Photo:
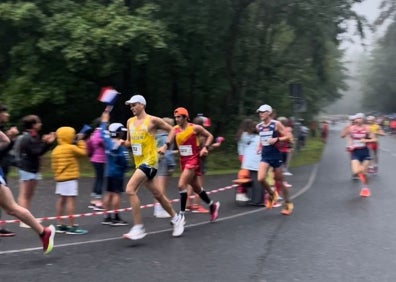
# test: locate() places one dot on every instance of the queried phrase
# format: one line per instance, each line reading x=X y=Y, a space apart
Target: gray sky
x=350 y=103
x=369 y=8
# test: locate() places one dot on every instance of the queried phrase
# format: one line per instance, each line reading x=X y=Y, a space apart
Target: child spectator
x=65 y=166
x=28 y=149
x=117 y=163
x=97 y=157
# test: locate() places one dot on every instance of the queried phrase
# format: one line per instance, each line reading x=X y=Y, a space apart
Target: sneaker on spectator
x=214 y=211
x=178 y=225
x=107 y=220
x=76 y=230
x=61 y=228
x=241 y=197
x=6 y=233
x=47 y=238
x=118 y=221
x=137 y=232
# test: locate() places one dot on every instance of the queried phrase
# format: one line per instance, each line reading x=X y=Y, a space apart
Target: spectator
x=64 y=164
x=97 y=157
x=28 y=149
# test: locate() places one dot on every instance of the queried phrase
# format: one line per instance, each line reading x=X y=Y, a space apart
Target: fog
x=356 y=50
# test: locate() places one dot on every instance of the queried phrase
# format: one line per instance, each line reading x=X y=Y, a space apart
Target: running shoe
x=61 y=228
x=159 y=212
x=365 y=192
x=214 y=211
x=23 y=225
x=76 y=230
x=6 y=233
x=107 y=221
x=137 y=232
x=118 y=221
x=96 y=206
x=287 y=208
x=287 y=173
x=199 y=209
x=178 y=225
x=287 y=184
x=241 y=197
x=271 y=200
x=47 y=238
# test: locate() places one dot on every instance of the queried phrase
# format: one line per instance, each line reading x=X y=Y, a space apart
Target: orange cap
x=181 y=111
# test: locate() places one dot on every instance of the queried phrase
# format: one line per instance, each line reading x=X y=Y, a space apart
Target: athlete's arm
x=169 y=140
x=127 y=142
x=344 y=131
x=285 y=134
x=201 y=131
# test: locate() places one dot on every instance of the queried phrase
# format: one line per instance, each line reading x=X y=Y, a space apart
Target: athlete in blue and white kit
x=271 y=132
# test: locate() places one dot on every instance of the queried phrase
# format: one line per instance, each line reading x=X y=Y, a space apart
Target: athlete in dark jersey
x=271 y=132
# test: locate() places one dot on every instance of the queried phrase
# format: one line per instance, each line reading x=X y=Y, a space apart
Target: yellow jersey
x=143 y=143
x=373 y=128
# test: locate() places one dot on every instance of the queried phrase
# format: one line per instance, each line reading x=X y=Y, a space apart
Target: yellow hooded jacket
x=64 y=157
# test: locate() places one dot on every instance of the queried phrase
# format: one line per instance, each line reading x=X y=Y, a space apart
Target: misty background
x=357 y=50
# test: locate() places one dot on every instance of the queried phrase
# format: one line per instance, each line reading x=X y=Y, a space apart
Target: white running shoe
x=287 y=185
x=161 y=214
x=287 y=173
x=178 y=225
x=241 y=197
x=137 y=232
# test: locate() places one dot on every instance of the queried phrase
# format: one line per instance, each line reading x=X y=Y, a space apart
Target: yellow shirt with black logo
x=143 y=143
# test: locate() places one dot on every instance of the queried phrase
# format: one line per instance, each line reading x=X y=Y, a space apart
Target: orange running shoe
x=287 y=208
x=271 y=200
x=199 y=209
x=365 y=192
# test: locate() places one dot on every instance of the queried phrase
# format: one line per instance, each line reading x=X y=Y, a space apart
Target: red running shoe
x=365 y=192
x=214 y=211
x=48 y=239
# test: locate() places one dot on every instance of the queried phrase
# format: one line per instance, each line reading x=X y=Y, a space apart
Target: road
x=333 y=235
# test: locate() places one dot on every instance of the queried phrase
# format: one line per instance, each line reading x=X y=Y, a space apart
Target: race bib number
x=185 y=150
x=137 y=149
x=265 y=137
x=358 y=144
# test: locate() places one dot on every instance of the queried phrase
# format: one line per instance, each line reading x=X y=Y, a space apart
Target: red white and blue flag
x=108 y=95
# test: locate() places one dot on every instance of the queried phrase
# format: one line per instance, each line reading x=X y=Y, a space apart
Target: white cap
x=370 y=118
x=136 y=99
x=264 y=108
x=359 y=115
x=115 y=128
x=352 y=117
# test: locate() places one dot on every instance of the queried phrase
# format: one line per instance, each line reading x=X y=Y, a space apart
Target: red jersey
x=357 y=133
x=188 y=144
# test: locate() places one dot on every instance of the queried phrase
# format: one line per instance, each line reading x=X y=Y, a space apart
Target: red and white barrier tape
x=112 y=211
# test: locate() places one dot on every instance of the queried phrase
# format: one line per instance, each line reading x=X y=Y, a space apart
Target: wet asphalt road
x=333 y=235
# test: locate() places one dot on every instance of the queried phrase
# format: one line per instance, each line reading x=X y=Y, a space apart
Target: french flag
x=108 y=95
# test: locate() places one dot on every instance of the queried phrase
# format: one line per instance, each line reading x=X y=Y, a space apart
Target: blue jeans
x=97 y=189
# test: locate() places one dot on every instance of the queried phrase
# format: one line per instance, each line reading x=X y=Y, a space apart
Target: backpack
x=15 y=153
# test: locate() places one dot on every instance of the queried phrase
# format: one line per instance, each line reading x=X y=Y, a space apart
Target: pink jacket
x=96 y=148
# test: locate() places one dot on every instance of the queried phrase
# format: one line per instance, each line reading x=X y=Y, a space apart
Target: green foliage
x=379 y=87
x=222 y=58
